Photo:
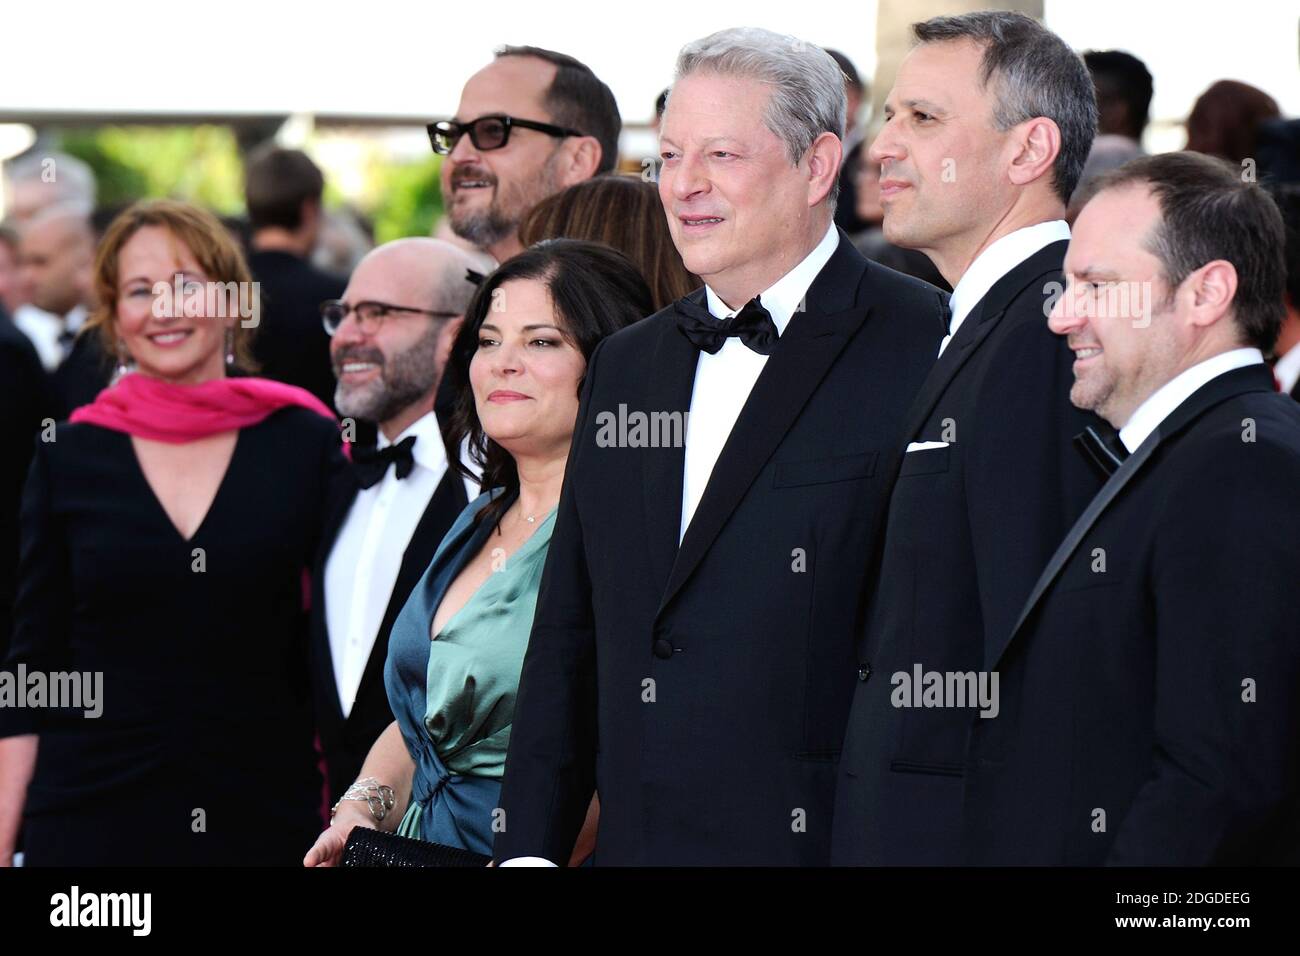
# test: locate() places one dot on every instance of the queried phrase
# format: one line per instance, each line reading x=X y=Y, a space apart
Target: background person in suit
x=56 y=257
x=1151 y=686
x=282 y=189
x=693 y=647
x=392 y=334
x=988 y=126
x=452 y=672
x=28 y=398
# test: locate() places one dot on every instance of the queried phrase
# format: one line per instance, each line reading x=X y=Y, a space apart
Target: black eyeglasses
x=370 y=315
x=487 y=132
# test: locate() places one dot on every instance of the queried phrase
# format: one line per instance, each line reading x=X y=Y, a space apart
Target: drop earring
x=123 y=361
x=230 y=348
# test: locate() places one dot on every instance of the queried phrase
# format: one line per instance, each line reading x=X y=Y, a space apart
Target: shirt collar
x=999 y=259
x=428 y=450
x=782 y=299
x=1165 y=400
x=1287 y=369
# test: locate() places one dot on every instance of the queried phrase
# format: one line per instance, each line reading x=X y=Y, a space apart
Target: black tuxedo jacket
x=28 y=398
x=346 y=741
x=81 y=376
x=702 y=689
x=970 y=526
x=1150 y=692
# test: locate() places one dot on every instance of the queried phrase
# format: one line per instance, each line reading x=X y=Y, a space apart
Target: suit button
x=864 y=671
x=663 y=649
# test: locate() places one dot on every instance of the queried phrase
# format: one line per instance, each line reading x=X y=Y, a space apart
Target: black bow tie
x=753 y=325
x=1102 y=447
x=370 y=463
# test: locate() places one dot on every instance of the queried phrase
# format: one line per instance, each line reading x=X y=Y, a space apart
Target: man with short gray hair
x=693 y=646
x=987 y=129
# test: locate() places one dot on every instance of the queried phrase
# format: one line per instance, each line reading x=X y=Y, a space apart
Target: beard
x=511 y=202
x=403 y=380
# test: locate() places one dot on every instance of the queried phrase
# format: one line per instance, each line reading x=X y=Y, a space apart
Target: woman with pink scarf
x=159 y=645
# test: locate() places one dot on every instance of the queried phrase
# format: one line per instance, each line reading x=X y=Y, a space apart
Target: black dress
x=204 y=750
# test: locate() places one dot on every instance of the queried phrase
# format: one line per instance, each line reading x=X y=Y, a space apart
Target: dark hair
x=1037 y=74
x=1225 y=120
x=851 y=77
x=623 y=212
x=1287 y=197
x=9 y=236
x=276 y=184
x=1208 y=212
x=596 y=291
x=579 y=100
x=661 y=102
x=1121 y=79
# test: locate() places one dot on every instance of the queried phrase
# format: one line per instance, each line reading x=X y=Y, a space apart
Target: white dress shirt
x=1287 y=369
x=1164 y=400
x=367 y=555
x=724 y=379
x=995 y=262
x=44 y=329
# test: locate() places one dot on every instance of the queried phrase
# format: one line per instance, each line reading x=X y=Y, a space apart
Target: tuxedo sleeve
x=45 y=594
x=1025 y=483
x=551 y=762
x=1224 y=771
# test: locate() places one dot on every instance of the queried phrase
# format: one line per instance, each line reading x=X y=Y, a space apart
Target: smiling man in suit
x=1151 y=686
x=692 y=656
x=392 y=334
x=987 y=128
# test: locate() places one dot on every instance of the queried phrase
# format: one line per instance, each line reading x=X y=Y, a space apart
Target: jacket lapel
x=1214 y=392
x=674 y=361
x=341 y=499
x=448 y=501
x=975 y=328
x=811 y=343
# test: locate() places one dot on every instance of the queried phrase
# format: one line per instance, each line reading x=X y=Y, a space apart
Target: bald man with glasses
x=390 y=337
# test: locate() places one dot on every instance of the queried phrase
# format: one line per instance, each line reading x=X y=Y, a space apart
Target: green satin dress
x=454 y=696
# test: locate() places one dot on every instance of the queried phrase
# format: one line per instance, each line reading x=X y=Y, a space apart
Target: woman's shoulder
x=68 y=439
x=300 y=425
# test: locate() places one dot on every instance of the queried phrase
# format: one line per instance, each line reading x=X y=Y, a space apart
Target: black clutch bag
x=367 y=847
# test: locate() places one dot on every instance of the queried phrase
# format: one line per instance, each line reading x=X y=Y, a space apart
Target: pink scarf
x=149 y=408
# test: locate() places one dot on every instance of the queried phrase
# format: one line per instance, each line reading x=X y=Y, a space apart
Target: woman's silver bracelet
x=375 y=795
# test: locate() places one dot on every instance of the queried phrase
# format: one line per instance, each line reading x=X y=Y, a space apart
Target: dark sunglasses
x=487 y=132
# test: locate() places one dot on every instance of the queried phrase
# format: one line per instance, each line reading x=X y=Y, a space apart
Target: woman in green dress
x=457 y=647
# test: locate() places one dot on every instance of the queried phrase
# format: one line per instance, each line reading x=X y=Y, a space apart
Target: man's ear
x=823 y=158
x=1038 y=143
x=583 y=160
x=1213 y=288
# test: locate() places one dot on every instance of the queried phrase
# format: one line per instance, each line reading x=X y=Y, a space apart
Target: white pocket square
x=923 y=445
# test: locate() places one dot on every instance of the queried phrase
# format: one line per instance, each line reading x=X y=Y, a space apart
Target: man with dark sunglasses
x=529 y=124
